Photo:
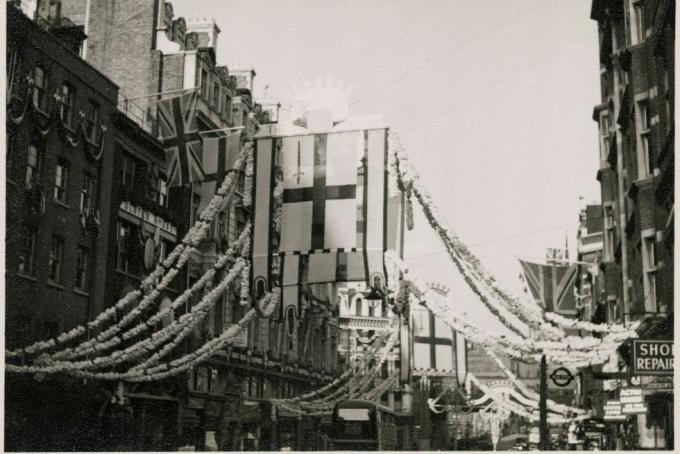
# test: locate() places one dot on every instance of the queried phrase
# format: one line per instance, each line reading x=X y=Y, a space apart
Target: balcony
x=137 y=114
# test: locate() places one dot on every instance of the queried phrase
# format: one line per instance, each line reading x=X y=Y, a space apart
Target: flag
x=335 y=210
x=550 y=285
x=219 y=155
x=320 y=191
x=180 y=138
x=556 y=256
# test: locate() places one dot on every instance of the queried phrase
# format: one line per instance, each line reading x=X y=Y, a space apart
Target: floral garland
x=568 y=323
x=180 y=254
x=517 y=408
x=531 y=394
x=344 y=376
x=176 y=366
x=527 y=311
x=572 y=350
x=191 y=319
x=248 y=185
x=469 y=266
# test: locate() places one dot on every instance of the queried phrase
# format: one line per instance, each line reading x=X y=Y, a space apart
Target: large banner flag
x=180 y=138
x=219 y=155
x=552 y=285
x=334 y=209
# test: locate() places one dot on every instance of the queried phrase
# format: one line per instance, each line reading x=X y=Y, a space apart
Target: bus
x=362 y=425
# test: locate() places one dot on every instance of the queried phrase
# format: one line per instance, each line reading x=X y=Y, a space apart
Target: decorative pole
x=543 y=408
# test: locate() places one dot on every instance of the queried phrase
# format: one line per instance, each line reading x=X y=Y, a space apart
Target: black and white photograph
x=299 y=225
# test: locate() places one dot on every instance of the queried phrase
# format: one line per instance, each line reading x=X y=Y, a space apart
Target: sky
x=491 y=99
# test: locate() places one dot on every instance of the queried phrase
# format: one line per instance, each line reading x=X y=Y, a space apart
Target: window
x=359 y=306
x=60 y=181
x=163 y=192
x=645 y=162
x=226 y=107
x=195 y=206
x=638 y=34
x=221 y=234
x=605 y=127
x=27 y=251
x=87 y=193
x=241 y=185
x=165 y=248
x=81 y=268
x=244 y=118
x=40 y=82
x=609 y=233
x=216 y=96
x=68 y=102
x=204 y=84
x=667 y=100
x=649 y=271
x=92 y=120
x=33 y=166
x=129 y=169
x=55 y=259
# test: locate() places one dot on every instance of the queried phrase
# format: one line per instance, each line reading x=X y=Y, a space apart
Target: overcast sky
x=492 y=99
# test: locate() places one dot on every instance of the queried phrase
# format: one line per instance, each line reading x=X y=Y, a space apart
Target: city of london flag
x=335 y=215
x=180 y=138
x=551 y=285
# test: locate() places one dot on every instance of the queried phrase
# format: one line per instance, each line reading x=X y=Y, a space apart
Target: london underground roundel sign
x=561 y=376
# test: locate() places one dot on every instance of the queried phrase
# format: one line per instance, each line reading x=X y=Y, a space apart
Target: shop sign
x=657 y=384
x=612 y=411
x=652 y=357
x=632 y=401
x=241 y=339
x=149 y=217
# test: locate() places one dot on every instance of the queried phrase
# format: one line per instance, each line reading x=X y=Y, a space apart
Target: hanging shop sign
x=612 y=411
x=652 y=357
x=632 y=401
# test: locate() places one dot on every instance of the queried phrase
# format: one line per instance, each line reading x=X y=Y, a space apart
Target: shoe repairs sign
x=652 y=357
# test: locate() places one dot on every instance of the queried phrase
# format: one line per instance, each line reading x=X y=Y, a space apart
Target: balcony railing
x=137 y=114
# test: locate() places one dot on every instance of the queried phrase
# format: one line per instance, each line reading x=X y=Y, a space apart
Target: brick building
x=635 y=117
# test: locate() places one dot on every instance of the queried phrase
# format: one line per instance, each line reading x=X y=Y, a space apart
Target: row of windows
x=60 y=189
x=214 y=94
x=67 y=93
x=133 y=170
x=55 y=262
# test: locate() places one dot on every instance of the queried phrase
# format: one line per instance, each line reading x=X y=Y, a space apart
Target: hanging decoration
x=168 y=270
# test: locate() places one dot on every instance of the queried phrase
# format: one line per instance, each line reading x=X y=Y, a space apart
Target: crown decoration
x=439 y=288
x=329 y=94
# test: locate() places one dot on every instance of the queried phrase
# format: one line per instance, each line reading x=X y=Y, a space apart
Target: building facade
x=635 y=119
x=61 y=137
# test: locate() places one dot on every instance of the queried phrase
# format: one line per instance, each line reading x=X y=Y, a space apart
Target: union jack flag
x=182 y=143
x=551 y=285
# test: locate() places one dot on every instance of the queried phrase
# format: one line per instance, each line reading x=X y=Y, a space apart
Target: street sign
x=612 y=411
x=561 y=377
x=652 y=357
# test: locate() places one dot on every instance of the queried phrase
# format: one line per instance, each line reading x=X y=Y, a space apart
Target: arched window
x=359 y=306
x=260 y=287
x=290 y=320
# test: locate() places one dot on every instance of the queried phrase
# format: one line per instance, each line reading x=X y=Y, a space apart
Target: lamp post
x=543 y=444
